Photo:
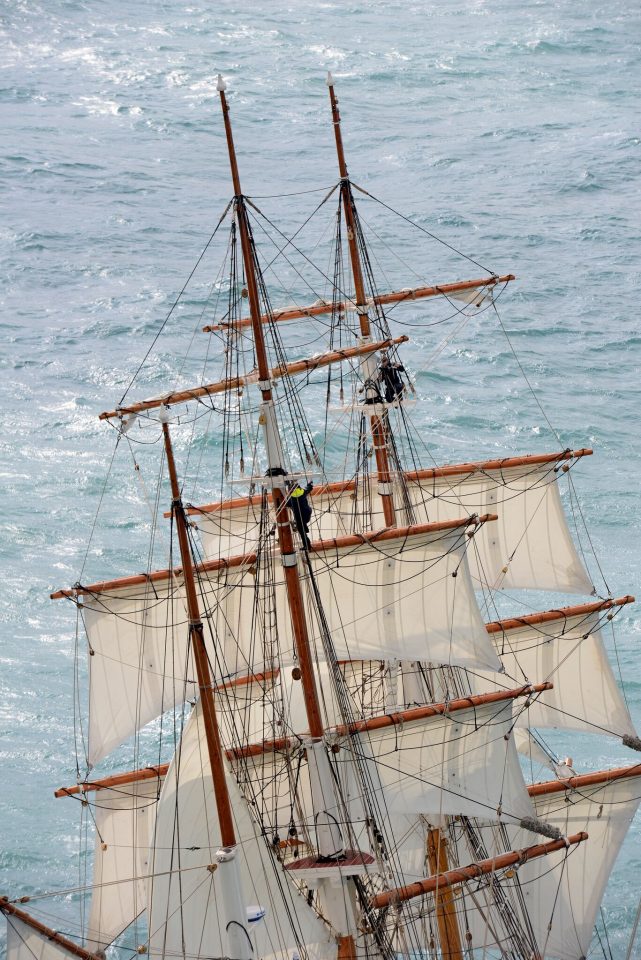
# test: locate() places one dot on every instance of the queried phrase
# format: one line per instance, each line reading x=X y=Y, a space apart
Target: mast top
x=330 y=79
x=220 y=83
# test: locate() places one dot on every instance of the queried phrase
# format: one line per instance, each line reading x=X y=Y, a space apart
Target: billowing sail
x=560 y=893
x=409 y=597
x=530 y=749
x=139 y=664
x=462 y=764
x=569 y=652
x=124 y=820
x=26 y=943
x=405 y=598
x=184 y=895
x=530 y=545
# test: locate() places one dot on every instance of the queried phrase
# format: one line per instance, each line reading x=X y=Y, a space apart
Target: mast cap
x=220 y=83
x=330 y=79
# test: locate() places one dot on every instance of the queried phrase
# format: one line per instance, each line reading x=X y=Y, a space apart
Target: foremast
x=234 y=905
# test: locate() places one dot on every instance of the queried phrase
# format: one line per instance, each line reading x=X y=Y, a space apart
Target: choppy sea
x=511 y=131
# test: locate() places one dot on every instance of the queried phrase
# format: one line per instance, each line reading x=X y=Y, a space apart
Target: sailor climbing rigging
x=301 y=509
x=391 y=380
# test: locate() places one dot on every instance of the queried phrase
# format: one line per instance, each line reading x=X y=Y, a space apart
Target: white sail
x=25 y=943
x=407 y=598
x=530 y=546
x=138 y=663
x=561 y=892
x=569 y=652
x=184 y=896
x=531 y=537
x=396 y=598
x=124 y=819
x=530 y=749
x=605 y=813
x=462 y=764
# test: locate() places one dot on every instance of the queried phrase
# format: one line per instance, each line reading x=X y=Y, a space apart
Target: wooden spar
x=431 y=473
x=534 y=789
x=448 y=930
x=471 y=872
x=201 y=661
x=115 y=780
x=348 y=207
x=248 y=750
x=232 y=383
x=47 y=932
x=548 y=616
x=283 y=522
x=383 y=720
x=583 y=780
x=247 y=679
x=285 y=743
x=394 y=296
x=377 y=426
x=346 y=948
x=247 y=559
x=529 y=460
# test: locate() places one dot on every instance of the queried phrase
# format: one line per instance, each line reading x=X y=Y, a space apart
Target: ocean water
x=510 y=131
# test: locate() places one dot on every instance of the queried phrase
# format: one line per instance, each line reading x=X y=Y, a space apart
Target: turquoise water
x=511 y=132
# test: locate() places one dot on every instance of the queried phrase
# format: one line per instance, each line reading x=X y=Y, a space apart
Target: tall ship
x=332 y=727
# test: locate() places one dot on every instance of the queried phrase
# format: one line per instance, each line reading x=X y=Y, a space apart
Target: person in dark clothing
x=391 y=380
x=301 y=509
x=371 y=390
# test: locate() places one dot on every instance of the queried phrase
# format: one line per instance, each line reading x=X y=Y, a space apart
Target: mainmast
x=369 y=364
x=329 y=835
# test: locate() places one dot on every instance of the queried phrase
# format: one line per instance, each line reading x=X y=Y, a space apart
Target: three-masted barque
x=350 y=725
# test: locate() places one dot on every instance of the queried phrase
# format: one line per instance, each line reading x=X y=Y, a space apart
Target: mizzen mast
x=362 y=308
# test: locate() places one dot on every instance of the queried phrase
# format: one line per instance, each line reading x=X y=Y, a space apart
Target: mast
x=236 y=914
x=369 y=369
x=446 y=919
x=329 y=835
x=437 y=853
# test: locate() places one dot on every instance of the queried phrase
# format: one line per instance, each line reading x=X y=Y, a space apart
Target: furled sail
x=409 y=597
x=124 y=820
x=184 y=895
x=569 y=652
x=530 y=546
